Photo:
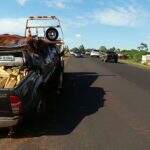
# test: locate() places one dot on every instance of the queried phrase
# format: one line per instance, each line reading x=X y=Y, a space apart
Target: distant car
x=72 y=53
x=109 y=56
x=78 y=55
x=87 y=53
x=94 y=53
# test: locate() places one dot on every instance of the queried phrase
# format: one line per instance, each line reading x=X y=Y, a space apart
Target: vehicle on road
x=109 y=56
x=72 y=53
x=26 y=69
x=87 y=53
x=78 y=55
x=94 y=53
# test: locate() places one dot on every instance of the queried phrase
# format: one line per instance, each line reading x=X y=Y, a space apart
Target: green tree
x=88 y=50
x=143 y=47
x=75 y=50
x=66 y=49
x=134 y=55
x=82 y=49
x=118 y=50
x=112 y=49
x=103 y=49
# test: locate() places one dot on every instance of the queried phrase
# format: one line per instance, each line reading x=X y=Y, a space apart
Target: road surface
x=103 y=107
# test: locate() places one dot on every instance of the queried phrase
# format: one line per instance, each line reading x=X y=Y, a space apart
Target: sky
x=120 y=23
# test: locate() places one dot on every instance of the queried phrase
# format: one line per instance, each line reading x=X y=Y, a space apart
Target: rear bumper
x=8 y=121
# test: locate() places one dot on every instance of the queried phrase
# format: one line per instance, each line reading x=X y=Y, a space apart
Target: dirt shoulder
x=142 y=66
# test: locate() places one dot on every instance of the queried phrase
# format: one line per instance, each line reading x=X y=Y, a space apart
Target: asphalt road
x=103 y=107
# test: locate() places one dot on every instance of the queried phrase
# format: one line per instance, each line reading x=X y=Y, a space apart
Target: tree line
x=132 y=54
x=82 y=49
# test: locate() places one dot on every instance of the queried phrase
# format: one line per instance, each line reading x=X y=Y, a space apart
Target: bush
x=135 y=55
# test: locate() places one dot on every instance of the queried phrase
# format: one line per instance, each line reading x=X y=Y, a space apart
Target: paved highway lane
x=104 y=106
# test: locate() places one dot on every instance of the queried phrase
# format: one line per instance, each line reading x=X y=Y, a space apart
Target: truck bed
x=13 y=74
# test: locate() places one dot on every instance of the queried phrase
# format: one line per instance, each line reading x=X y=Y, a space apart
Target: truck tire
x=52 y=34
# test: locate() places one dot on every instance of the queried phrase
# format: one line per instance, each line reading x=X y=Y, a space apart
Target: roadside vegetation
x=135 y=55
x=130 y=56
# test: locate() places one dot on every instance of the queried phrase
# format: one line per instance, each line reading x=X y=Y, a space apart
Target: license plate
x=6 y=58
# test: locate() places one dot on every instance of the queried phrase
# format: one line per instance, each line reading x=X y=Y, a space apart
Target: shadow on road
x=78 y=100
x=108 y=75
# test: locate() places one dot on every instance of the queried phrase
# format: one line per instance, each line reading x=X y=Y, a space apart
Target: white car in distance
x=94 y=53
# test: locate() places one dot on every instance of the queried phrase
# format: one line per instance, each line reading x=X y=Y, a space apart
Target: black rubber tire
x=55 y=31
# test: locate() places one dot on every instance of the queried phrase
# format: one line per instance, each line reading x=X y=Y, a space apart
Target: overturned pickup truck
x=27 y=64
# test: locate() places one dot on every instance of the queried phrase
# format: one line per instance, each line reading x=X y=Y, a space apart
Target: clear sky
x=119 y=23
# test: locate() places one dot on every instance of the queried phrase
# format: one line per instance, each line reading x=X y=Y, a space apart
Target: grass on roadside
x=130 y=62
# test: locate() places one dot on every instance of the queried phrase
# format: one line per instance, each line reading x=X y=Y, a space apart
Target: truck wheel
x=52 y=34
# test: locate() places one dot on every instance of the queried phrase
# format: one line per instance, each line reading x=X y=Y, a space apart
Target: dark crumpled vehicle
x=109 y=56
x=24 y=70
